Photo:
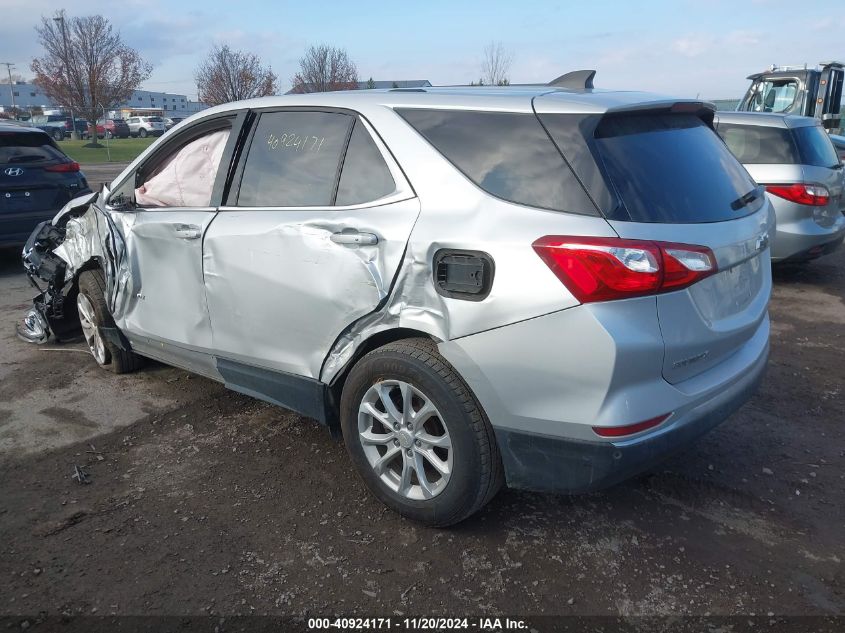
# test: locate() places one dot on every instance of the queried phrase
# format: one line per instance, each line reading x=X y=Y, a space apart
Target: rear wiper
x=745 y=200
x=27 y=158
x=838 y=166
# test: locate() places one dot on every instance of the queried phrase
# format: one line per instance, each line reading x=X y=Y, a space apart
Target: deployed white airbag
x=186 y=179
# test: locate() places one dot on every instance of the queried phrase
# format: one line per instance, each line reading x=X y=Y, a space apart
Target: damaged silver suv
x=549 y=287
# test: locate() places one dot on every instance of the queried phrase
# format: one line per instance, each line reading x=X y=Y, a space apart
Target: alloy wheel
x=88 y=321
x=405 y=439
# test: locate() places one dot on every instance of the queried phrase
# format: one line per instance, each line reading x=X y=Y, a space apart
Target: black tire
x=476 y=474
x=142 y=133
x=92 y=284
x=109 y=134
x=58 y=135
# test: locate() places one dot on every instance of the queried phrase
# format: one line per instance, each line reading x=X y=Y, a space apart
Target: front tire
x=58 y=135
x=93 y=316
x=417 y=436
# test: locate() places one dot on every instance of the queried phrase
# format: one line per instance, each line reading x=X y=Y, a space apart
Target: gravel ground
x=203 y=501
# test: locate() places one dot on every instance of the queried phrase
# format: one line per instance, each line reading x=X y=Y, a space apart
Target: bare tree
x=228 y=75
x=86 y=66
x=496 y=65
x=324 y=68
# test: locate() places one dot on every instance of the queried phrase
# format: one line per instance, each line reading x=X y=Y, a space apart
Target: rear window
x=364 y=177
x=815 y=146
x=758 y=145
x=28 y=147
x=671 y=168
x=154 y=119
x=509 y=155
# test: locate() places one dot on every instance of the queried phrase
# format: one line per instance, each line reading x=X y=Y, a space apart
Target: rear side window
x=28 y=148
x=509 y=155
x=671 y=168
x=365 y=176
x=815 y=146
x=293 y=159
x=759 y=145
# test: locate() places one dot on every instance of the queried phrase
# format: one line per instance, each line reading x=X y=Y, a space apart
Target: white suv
x=145 y=126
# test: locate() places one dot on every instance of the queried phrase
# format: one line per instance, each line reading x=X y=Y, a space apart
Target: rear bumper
x=546 y=382
x=543 y=463
x=804 y=239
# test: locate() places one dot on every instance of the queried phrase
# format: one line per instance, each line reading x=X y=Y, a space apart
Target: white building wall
x=28 y=95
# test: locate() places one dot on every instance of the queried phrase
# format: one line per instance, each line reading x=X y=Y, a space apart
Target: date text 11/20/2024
x=417 y=624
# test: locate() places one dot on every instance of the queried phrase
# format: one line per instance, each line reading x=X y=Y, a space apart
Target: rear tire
x=142 y=133
x=58 y=135
x=434 y=427
x=94 y=315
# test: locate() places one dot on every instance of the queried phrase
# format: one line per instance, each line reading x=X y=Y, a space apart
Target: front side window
x=293 y=159
x=365 y=176
x=185 y=178
x=759 y=145
x=507 y=154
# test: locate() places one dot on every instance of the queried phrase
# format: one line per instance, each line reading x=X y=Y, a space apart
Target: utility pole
x=9 y=66
x=60 y=19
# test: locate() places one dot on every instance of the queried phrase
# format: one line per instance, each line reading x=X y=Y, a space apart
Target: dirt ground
x=203 y=501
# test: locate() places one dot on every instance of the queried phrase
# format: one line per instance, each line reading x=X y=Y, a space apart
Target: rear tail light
x=63 y=167
x=813 y=195
x=607 y=268
x=630 y=429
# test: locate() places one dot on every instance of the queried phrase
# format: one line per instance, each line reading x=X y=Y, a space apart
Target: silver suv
x=553 y=288
x=793 y=157
x=145 y=126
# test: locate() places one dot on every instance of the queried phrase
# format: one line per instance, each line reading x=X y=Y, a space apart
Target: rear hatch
x=34 y=174
x=659 y=172
x=821 y=165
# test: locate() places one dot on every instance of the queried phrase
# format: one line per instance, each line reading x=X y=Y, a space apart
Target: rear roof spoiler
x=575 y=80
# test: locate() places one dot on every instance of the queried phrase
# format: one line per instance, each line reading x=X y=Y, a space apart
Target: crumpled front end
x=55 y=252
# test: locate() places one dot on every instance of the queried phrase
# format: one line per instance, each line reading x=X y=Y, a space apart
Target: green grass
x=123 y=150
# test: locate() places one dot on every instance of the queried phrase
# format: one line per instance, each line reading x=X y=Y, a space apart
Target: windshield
x=775 y=95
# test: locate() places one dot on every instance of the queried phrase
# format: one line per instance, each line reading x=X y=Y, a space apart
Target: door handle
x=187 y=231
x=355 y=238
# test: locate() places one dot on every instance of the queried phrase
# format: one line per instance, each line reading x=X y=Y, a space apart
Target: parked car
x=36 y=180
x=169 y=122
x=466 y=307
x=144 y=126
x=839 y=144
x=59 y=126
x=793 y=157
x=115 y=128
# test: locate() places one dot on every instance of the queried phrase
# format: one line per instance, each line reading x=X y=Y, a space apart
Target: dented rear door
x=311 y=239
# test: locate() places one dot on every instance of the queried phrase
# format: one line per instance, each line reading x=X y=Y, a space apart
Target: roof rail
x=575 y=80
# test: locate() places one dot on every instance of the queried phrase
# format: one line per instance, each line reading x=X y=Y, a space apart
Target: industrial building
x=28 y=97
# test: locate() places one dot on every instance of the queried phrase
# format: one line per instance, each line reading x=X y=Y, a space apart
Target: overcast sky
x=680 y=47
